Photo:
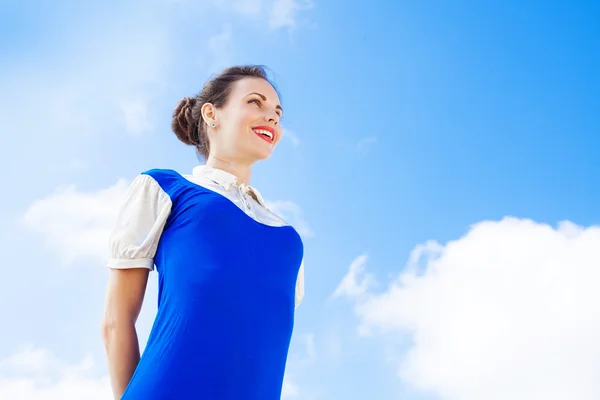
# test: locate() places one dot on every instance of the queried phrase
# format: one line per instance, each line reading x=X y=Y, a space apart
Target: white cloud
x=78 y=224
x=356 y=282
x=123 y=76
x=248 y=7
x=75 y=223
x=292 y=214
x=101 y=80
x=287 y=134
x=136 y=115
x=97 y=75
x=284 y=12
x=508 y=311
x=110 y=72
x=221 y=48
x=308 y=355
x=36 y=374
x=289 y=389
x=304 y=356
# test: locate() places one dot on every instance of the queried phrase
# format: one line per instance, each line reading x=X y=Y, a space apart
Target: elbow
x=110 y=327
x=106 y=328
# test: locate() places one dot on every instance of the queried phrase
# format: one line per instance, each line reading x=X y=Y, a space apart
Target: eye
x=259 y=103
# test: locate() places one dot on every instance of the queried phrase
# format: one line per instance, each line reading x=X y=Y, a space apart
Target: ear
x=209 y=112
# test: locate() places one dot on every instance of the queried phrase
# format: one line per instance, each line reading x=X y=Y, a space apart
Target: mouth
x=265 y=132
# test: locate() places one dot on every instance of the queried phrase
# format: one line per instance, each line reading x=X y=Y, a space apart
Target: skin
x=124 y=297
x=234 y=147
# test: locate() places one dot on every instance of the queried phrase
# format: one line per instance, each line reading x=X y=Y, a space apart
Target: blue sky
x=441 y=160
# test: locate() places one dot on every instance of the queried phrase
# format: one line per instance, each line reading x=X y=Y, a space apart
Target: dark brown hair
x=188 y=124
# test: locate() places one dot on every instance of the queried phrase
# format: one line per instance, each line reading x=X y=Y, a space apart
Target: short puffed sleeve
x=300 y=285
x=140 y=222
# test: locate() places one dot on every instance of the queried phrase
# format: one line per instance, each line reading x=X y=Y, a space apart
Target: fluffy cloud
x=36 y=374
x=135 y=115
x=284 y=12
x=78 y=224
x=221 y=47
x=118 y=67
x=357 y=281
x=281 y=13
x=249 y=8
x=289 y=389
x=101 y=69
x=508 y=311
x=75 y=223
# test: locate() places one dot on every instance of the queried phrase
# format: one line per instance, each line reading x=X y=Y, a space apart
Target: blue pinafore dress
x=226 y=301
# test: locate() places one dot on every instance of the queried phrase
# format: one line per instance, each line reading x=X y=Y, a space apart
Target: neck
x=241 y=171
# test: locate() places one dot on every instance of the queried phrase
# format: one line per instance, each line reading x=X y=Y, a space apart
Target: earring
x=213 y=125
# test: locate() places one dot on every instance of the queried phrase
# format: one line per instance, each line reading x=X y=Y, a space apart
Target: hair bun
x=183 y=123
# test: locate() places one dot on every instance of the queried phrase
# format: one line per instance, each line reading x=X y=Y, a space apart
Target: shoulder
x=145 y=192
x=167 y=179
x=139 y=225
x=161 y=174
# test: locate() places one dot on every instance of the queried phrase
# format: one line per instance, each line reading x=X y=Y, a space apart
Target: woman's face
x=248 y=126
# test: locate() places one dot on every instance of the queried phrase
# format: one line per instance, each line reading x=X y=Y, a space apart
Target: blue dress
x=223 y=326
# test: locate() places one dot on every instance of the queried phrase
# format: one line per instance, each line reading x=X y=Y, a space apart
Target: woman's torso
x=226 y=299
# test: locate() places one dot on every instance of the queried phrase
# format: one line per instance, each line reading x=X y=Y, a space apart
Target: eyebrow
x=264 y=98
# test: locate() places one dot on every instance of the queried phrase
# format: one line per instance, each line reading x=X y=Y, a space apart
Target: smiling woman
x=239 y=101
x=226 y=302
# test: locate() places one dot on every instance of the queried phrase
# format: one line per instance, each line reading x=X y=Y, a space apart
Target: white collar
x=226 y=180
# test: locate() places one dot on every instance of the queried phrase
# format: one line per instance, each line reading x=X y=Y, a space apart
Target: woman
x=230 y=271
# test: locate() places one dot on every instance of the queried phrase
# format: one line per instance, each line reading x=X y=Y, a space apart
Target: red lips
x=264 y=137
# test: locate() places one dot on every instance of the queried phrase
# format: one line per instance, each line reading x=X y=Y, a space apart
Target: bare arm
x=124 y=297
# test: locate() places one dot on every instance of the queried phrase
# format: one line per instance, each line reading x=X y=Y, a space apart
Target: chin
x=262 y=153
x=263 y=156
x=257 y=155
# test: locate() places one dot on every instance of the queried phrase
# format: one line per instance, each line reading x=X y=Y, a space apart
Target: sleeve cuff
x=135 y=263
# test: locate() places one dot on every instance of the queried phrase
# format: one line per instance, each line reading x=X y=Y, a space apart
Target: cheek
x=246 y=116
x=279 y=135
x=236 y=120
x=239 y=125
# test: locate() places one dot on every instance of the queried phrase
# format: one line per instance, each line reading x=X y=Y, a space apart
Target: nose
x=272 y=116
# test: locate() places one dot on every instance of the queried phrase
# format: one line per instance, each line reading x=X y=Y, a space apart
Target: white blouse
x=143 y=215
